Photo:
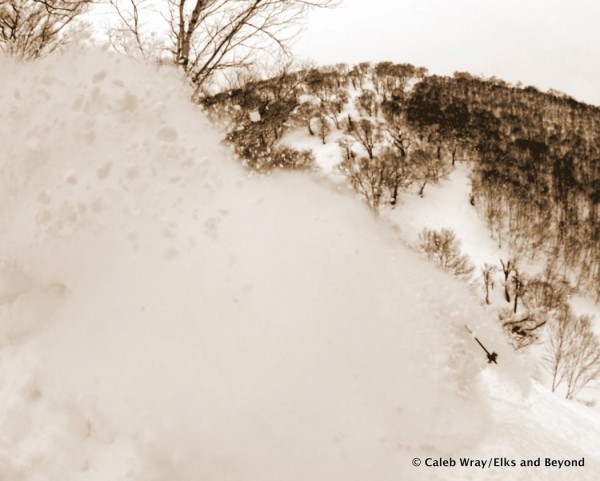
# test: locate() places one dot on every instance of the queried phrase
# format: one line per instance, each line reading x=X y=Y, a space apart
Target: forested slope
x=535 y=156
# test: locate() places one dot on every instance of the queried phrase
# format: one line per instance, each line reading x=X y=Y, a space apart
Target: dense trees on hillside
x=260 y=112
x=537 y=171
x=535 y=156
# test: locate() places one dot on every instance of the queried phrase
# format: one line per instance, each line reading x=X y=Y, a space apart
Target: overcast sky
x=546 y=43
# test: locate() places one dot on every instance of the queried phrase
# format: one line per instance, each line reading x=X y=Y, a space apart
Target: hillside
x=533 y=156
x=166 y=314
x=518 y=217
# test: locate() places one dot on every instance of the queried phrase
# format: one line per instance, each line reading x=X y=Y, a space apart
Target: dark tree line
x=536 y=175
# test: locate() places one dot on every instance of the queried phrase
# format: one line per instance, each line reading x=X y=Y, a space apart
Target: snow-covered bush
x=443 y=248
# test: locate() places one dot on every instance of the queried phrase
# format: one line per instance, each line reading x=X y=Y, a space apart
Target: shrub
x=443 y=248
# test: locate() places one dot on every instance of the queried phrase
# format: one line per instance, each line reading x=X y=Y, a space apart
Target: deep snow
x=164 y=315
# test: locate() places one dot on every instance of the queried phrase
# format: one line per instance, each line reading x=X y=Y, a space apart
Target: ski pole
x=490 y=356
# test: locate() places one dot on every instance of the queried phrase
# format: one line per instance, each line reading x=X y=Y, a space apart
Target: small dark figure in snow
x=491 y=356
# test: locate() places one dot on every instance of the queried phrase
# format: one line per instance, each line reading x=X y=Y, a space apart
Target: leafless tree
x=366 y=103
x=210 y=36
x=324 y=127
x=444 y=249
x=32 y=28
x=331 y=109
x=557 y=348
x=304 y=114
x=366 y=133
x=427 y=168
x=378 y=178
x=547 y=293
x=519 y=286
x=399 y=173
x=399 y=138
x=572 y=352
x=346 y=147
x=507 y=268
x=130 y=34
x=367 y=176
x=487 y=272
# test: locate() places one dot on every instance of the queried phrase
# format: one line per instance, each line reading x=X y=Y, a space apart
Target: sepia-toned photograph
x=299 y=240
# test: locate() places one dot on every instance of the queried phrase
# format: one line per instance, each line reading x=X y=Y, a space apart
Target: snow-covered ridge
x=185 y=320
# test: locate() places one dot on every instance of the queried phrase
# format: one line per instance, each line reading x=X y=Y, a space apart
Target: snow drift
x=165 y=315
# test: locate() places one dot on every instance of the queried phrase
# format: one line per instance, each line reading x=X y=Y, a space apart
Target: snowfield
x=167 y=316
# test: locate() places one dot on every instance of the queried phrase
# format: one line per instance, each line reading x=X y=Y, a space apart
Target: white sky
x=546 y=43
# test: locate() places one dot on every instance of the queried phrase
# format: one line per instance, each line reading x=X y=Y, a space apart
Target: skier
x=490 y=356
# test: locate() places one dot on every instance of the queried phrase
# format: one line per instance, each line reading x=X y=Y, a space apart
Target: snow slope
x=166 y=316
x=445 y=205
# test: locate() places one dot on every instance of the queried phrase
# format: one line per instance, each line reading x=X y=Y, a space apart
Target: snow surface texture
x=165 y=316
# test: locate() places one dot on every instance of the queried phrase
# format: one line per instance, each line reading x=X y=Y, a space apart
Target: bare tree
x=331 y=109
x=366 y=133
x=507 y=269
x=378 y=178
x=572 y=352
x=399 y=138
x=487 y=272
x=548 y=293
x=346 y=148
x=366 y=103
x=444 y=249
x=210 y=36
x=557 y=348
x=367 y=176
x=519 y=286
x=130 y=36
x=304 y=115
x=323 y=126
x=427 y=168
x=399 y=174
x=32 y=28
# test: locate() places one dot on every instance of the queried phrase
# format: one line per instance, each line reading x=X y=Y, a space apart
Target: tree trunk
x=554 y=375
x=394 y=199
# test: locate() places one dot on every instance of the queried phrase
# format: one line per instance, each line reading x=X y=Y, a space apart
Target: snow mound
x=164 y=315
